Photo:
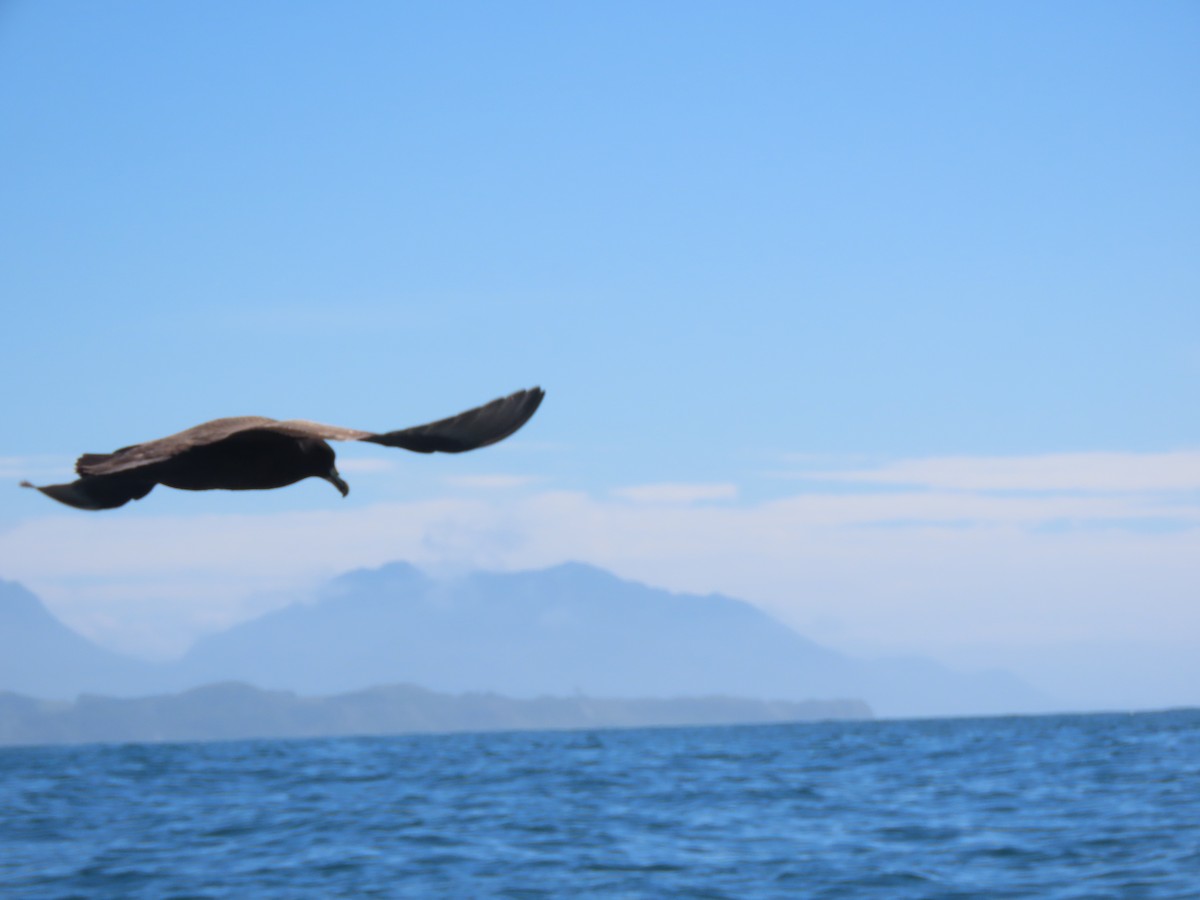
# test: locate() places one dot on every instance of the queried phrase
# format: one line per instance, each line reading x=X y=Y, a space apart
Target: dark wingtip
x=530 y=397
x=528 y=402
x=27 y=484
x=536 y=396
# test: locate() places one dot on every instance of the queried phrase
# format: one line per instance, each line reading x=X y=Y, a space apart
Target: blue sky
x=760 y=256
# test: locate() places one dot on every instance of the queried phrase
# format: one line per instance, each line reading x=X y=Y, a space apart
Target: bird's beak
x=336 y=480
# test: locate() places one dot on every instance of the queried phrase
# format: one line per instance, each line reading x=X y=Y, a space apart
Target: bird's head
x=322 y=464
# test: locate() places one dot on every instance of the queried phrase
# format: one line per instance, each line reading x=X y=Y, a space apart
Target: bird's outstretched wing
x=101 y=492
x=468 y=430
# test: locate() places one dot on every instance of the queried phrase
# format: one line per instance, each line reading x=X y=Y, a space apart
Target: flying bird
x=247 y=453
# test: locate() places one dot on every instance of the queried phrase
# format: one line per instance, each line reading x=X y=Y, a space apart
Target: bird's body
x=256 y=453
x=254 y=459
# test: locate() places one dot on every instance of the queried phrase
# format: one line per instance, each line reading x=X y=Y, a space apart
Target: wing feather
x=468 y=430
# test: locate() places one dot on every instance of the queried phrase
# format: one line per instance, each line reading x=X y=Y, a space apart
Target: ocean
x=1084 y=806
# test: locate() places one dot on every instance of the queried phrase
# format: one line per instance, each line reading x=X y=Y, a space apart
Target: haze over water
x=1045 y=807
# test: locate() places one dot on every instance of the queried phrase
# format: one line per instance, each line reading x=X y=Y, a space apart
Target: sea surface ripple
x=1048 y=807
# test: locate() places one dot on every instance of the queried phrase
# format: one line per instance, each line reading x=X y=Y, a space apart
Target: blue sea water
x=1048 y=807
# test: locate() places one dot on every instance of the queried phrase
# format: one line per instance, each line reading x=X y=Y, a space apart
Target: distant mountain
x=41 y=656
x=234 y=711
x=564 y=630
x=571 y=630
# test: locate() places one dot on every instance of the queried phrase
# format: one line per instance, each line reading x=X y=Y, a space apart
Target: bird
x=256 y=453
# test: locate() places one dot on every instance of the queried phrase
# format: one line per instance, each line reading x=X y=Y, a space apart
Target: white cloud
x=368 y=465
x=36 y=467
x=673 y=493
x=1098 y=472
x=491 y=482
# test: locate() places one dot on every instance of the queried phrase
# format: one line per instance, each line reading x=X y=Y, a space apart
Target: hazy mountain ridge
x=568 y=630
x=41 y=656
x=235 y=711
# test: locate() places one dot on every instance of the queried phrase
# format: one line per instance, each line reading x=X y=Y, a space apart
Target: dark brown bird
x=249 y=453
